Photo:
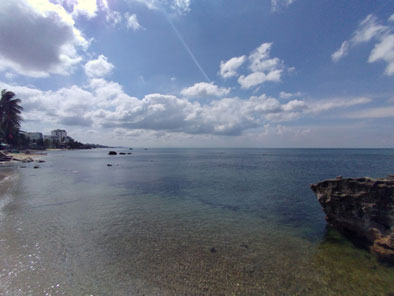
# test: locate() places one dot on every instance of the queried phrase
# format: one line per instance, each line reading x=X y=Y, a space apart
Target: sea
x=184 y=222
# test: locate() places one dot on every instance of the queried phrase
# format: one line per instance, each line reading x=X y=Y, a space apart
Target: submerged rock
x=363 y=207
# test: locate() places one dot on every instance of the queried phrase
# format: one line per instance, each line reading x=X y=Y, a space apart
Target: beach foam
x=8 y=181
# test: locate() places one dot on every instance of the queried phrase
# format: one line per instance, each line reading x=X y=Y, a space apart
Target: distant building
x=60 y=136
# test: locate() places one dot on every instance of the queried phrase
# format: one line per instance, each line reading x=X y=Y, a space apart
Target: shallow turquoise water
x=185 y=222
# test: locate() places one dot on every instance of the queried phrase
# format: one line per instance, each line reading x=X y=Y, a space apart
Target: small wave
x=7 y=187
x=4 y=200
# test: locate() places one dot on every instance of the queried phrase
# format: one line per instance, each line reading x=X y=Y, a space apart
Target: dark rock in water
x=129 y=153
x=130 y=148
x=213 y=250
x=122 y=153
x=109 y=164
x=363 y=207
x=112 y=153
x=40 y=160
x=36 y=167
x=27 y=160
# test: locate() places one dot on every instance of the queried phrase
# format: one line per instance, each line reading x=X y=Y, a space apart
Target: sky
x=203 y=73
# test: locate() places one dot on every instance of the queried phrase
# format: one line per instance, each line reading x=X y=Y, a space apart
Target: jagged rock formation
x=363 y=207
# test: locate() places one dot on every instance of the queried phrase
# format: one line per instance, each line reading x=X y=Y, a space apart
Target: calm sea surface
x=184 y=222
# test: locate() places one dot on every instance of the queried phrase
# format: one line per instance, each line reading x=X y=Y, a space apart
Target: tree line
x=10 y=124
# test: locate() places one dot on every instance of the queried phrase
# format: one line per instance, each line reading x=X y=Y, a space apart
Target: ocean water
x=184 y=222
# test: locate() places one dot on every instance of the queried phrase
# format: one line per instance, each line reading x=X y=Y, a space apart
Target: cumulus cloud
x=229 y=68
x=41 y=38
x=132 y=22
x=277 y=4
x=259 y=78
x=103 y=105
x=114 y=17
x=204 y=89
x=99 y=67
x=371 y=29
x=84 y=7
x=287 y=95
x=263 y=67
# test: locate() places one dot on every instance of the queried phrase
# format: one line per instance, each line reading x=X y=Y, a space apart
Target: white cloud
x=10 y=76
x=263 y=67
x=176 y=6
x=286 y=95
x=295 y=105
x=114 y=17
x=260 y=59
x=370 y=29
x=181 y=6
x=204 y=89
x=277 y=4
x=259 y=78
x=384 y=50
x=99 y=67
x=132 y=22
x=341 y=52
x=104 y=105
x=41 y=38
x=379 y=112
x=85 y=7
x=229 y=68
x=325 y=105
x=391 y=18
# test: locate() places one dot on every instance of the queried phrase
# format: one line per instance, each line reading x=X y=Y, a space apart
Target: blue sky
x=203 y=73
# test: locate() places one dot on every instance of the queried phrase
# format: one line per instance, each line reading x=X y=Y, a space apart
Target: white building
x=59 y=135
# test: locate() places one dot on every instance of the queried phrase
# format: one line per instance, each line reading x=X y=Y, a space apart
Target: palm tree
x=10 y=118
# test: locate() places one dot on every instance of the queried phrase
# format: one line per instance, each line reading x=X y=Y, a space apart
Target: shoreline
x=17 y=158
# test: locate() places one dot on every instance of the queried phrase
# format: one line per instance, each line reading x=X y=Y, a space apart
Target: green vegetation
x=10 y=117
x=13 y=137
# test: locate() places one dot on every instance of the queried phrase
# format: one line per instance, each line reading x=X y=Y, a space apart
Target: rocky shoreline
x=362 y=207
x=15 y=158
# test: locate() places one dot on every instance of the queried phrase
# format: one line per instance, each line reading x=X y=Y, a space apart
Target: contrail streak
x=188 y=49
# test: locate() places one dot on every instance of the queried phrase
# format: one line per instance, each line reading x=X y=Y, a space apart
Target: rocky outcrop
x=4 y=157
x=112 y=153
x=363 y=207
